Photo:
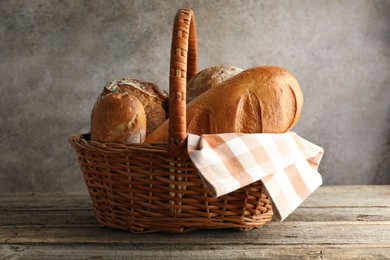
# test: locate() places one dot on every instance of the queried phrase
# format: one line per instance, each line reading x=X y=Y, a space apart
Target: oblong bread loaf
x=263 y=99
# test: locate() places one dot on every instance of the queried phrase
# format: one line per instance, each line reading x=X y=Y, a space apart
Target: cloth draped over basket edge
x=286 y=164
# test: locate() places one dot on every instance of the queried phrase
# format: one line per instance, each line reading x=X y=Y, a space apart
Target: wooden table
x=335 y=222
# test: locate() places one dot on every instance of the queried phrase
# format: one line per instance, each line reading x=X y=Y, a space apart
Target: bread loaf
x=118 y=118
x=154 y=100
x=208 y=78
x=258 y=100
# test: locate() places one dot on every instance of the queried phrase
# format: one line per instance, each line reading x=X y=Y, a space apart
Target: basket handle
x=183 y=66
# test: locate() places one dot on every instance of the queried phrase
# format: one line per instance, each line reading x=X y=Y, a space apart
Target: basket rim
x=83 y=141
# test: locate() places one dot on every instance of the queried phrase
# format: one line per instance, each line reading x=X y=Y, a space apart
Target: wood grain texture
x=336 y=222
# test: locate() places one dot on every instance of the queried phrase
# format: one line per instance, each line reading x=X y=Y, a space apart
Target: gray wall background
x=56 y=56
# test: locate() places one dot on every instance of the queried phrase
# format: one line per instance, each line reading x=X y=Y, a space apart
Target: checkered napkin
x=285 y=163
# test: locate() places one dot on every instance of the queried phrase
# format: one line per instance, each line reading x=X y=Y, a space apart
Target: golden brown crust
x=258 y=100
x=154 y=100
x=118 y=118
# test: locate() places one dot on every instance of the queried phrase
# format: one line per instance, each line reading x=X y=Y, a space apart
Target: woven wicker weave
x=155 y=187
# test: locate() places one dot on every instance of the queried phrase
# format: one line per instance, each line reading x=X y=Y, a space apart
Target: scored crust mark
x=200 y=123
x=114 y=86
x=296 y=116
x=118 y=133
x=249 y=114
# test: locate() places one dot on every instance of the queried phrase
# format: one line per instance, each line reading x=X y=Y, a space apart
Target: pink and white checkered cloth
x=286 y=164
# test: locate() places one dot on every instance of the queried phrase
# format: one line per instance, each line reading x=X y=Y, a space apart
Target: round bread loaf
x=118 y=118
x=154 y=100
x=208 y=78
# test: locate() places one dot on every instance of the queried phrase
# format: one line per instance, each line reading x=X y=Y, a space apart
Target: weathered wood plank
x=48 y=218
x=329 y=196
x=344 y=222
x=44 y=201
x=64 y=218
x=324 y=196
x=195 y=252
x=340 y=214
x=294 y=233
x=349 y=196
x=72 y=209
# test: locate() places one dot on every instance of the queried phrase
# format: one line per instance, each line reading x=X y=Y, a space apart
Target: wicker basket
x=155 y=187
